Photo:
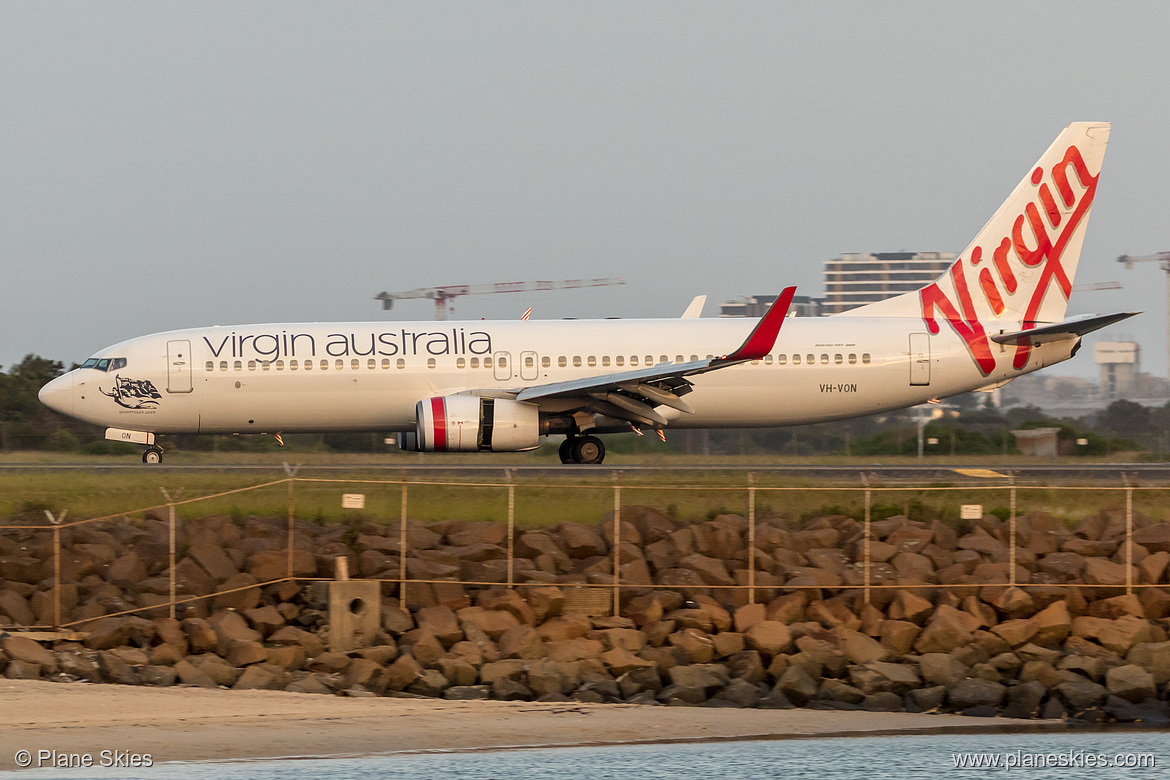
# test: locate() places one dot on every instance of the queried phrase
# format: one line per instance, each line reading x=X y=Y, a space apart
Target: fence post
x=1012 y=532
x=865 y=547
x=617 y=542
x=56 y=522
x=511 y=529
x=402 y=551
x=171 y=543
x=1128 y=537
x=751 y=537
x=292 y=474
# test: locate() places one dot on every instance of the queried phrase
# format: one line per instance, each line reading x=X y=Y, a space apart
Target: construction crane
x=444 y=296
x=1164 y=259
x=1091 y=286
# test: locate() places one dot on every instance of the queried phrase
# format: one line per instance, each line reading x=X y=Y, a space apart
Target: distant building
x=1120 y=363
x=853 y=280
x=1038 y=441
x=757 y=306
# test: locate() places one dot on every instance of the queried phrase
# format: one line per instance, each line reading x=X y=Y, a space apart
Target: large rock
x=1080 y=695
x=975 y=691
x=1131 y=682
x=881 y=676
x=769 y=637
x=1053 y=624
x=1153 y=657
x=948 y=629
x=859 y=648
x=942 y=669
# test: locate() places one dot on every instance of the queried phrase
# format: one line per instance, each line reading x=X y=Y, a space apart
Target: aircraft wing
x=632 y=395
x=1072 y=327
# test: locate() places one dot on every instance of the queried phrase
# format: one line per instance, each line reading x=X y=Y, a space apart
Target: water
x=874 y=758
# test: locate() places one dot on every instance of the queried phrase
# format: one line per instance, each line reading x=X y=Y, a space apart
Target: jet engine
x=466 y=423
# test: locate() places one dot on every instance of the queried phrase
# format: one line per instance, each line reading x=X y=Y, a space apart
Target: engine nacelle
x=466 y=423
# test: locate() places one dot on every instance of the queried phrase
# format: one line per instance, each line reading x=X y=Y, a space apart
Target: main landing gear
x=152 y=455
x=582 y=449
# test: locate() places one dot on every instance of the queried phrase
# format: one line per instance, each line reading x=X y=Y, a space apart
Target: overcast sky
x=170 y=165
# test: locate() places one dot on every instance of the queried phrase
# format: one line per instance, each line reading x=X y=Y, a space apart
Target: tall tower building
x=854 y=279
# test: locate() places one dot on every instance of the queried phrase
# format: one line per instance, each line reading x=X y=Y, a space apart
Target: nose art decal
x=133 y=393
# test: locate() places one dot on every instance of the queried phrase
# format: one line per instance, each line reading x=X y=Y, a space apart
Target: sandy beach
x=190 y=724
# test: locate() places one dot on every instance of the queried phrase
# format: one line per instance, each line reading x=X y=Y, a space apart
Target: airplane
x=997 y=313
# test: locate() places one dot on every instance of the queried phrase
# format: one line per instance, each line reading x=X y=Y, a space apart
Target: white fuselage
x=370 y=376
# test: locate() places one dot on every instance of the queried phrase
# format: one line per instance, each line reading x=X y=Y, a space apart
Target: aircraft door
x=503 y=366
x=919 y=359
x=528 y=365
x=179 y=366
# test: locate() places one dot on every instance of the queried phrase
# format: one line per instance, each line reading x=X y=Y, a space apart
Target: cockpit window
x=105 y=364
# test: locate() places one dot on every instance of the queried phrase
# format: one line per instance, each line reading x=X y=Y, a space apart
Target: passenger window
x=865 y=358
x=460 y=363
x=810 y=358
x=385 y=363
x=649 y=360
x=576 y=361
x=103 y=364
x=678 y=358
x=605 y=360
x=475 y=362
x=223 y=365
x=371 y=364
x=529 y=362
x=308 y=365
x=501 y=361
x=401 y=363
x=545 y=362
x=280 y=365
x=781 y=360
x=265 y=365
x=293 y=365
x=796 y=360
x=251 y=365
x=824 y=359
x=430 y=362
x=767 y=360
x=694 y=358
x=620 y=360
x=487 y=362
x=633 y=360
x=353 y=364
x=852 y=358
x=339 y=364
x=562 y=361
x=210 y=366
x=838 y=359
x=592 y=361
x=663 y=359
x=238 y=365
x=324 y=364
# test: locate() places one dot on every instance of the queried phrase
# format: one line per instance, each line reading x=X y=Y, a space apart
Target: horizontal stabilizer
x=1077 y=326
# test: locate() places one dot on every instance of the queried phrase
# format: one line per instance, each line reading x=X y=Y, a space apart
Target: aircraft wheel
x=566 y=450
x=588 y=449
x=152 y=456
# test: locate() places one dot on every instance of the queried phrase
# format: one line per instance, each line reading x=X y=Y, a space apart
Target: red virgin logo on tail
x=1032 y=248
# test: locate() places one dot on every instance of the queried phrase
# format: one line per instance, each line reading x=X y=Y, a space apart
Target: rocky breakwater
x=1066 y=642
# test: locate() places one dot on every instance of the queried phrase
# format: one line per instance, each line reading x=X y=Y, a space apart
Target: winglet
x=695 y=309
x=763 y=336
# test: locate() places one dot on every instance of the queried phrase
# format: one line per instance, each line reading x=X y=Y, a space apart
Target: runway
x=1105 y=474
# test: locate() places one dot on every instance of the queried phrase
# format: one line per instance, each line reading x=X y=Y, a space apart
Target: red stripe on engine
x=439 y=425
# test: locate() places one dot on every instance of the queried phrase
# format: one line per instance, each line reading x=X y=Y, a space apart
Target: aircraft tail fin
x=1020 y=266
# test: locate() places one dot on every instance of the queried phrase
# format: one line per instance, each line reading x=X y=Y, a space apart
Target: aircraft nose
x=58 y=394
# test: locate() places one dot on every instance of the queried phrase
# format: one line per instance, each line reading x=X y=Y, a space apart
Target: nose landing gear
x=152 y=455
x=582 y=449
